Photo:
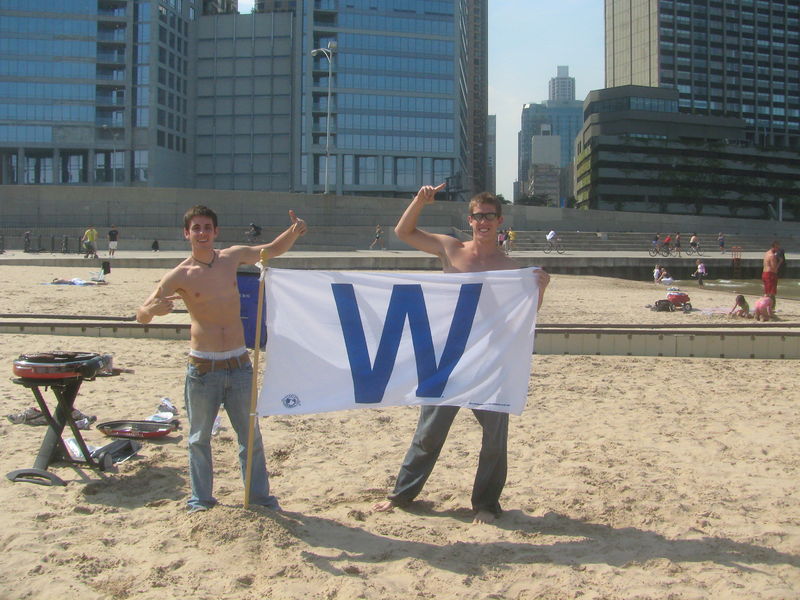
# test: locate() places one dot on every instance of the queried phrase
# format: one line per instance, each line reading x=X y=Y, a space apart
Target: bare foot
x=385 y=506
x=483 y=517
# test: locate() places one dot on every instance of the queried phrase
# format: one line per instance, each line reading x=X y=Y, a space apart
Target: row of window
x=50 y=91
x=395 y=64
x=395 y=143
x=46 y=26
x=173 y=101
x=55 y=48
x=429 y=7
x=420 y=46
x=172 y=81
x=109 y=167
x=392 y=123
x=426 y=25
x=171 y=141
x=82 y=7
x=389 y=82
x=170 y=59
x=632 y=103
x=377 y=170
x=173 y=40
x=172 y=121
x=37 y=68
x=26 y=133
x=47 y=112
x=394 y=104
x=173 y=20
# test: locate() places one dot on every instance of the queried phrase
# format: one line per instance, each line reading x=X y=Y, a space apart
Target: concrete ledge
x=766 y=343
x=692 y=343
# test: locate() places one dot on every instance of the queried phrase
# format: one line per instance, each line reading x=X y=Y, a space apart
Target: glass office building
x=95 y=92
x=398 y=97
x=733 y=58
x=186 y=93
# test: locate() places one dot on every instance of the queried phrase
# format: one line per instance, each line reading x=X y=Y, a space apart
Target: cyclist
x=694 y=242
x=253 y=232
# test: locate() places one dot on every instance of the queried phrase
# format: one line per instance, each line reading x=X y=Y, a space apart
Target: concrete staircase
x=639 y=242
x=359 y=237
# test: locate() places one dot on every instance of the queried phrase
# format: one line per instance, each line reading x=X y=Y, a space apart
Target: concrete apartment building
x=187 y=93
x=701 y=114
x=637 y=152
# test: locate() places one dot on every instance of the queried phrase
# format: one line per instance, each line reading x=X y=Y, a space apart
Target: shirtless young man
x=769 y=274
x=480 y=254
x=219 y=370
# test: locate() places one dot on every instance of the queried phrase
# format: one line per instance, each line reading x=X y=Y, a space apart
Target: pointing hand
x=298 y=225
x=427 y=193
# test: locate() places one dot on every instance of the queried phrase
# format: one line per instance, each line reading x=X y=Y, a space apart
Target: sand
x=629 y=478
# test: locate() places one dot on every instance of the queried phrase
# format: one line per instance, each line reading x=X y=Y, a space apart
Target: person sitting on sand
x=762 y=311
x=479 y=254
x=665 y=278
x=741 y=308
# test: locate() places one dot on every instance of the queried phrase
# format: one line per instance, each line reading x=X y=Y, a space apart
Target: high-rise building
x=96 y=92
x=726 y=58
x=398 y=95
x=491 y=154
x=477 y=93
x=638 y=152
x=187 y=93
x=560 y=116
x=562 y=86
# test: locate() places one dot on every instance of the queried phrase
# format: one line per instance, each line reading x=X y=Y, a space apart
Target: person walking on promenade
x=378 y=238
x=89 y=240
x=479 y=254
x=113 y=236
x=219 y=372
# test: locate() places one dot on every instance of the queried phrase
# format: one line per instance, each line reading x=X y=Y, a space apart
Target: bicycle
x=554 y=246
x=692 y=249
x=662 y=249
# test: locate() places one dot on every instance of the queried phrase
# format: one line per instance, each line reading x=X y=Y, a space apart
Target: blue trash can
x=248 y=297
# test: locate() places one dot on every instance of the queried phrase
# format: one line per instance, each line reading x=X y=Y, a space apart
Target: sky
x=528 y=40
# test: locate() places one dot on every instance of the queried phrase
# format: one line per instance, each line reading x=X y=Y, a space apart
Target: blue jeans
x=432 y=429
x=204 y=394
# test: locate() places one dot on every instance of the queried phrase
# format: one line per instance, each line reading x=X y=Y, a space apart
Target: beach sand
x=629 y=477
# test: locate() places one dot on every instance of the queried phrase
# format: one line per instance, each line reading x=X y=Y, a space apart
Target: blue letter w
x=370 y=381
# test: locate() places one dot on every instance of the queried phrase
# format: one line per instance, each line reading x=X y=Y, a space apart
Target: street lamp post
x=328 y=53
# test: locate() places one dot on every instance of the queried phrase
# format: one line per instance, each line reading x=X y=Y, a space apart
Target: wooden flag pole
x=254 y=386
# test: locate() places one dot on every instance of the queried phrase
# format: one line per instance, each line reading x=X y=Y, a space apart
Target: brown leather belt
x=207 y=365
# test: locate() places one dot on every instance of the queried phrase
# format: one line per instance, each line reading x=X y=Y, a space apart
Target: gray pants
x=432 y=428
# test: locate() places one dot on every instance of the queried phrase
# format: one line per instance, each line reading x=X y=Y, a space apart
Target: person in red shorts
x=769 y=274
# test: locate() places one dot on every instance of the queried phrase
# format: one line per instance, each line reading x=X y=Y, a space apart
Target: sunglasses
x=490 y=216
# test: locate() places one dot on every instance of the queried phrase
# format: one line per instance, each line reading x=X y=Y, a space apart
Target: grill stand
x=53 y=447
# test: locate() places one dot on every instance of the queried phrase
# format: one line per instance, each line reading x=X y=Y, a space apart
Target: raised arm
x=250 y=255
x=407 y=230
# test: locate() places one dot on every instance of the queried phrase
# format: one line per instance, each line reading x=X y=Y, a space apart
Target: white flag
x=342 y=340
